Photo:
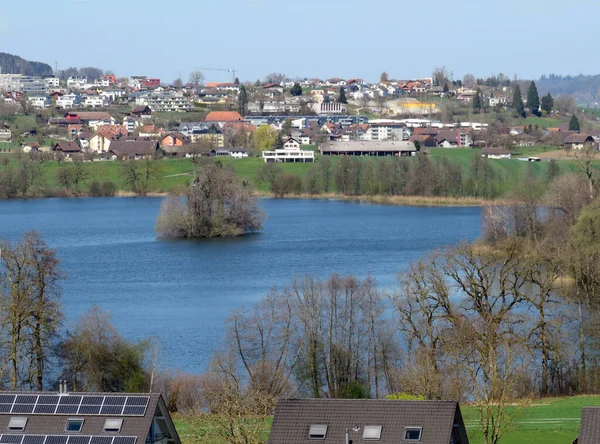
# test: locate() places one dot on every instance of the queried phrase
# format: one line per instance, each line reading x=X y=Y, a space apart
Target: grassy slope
x=178 y=172
x=548 y=421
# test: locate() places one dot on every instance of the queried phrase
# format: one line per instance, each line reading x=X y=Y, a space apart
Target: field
x=547 y=421
x=177 y=173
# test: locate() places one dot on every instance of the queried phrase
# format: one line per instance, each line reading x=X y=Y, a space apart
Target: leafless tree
x=196 y=78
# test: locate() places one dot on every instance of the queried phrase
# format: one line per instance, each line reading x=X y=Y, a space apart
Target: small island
x=217 y=204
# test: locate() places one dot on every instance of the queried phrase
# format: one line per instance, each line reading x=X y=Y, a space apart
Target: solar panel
x=111 y=410
x=44 y=409
x=114 y=400
x=89 y=410
x=70 y=400
x=48 y=399
x=26 y=399
x=7 y=399
x=67 y=409
x=33 y=439
x=5 y=408
x=101 y=440
x=134 y=411
x=79 y=439
x=56 y=439
x=22 y=408
x=137 y=400
x=11 y=439
x=92 y=400
x=124 y=440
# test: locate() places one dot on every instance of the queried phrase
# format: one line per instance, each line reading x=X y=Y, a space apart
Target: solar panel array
x=65 y=439
x=74 y=405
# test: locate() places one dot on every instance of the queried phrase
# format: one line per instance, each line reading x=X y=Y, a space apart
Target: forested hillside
x=584 y=88
x=12 y=64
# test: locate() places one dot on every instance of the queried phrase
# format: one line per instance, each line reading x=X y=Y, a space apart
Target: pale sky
x=306 y=38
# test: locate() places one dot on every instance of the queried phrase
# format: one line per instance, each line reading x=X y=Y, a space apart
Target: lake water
x=183 y=291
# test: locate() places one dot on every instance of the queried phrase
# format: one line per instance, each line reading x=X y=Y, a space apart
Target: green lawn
x=544 y=421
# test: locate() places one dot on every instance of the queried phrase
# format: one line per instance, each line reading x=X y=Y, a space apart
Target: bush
x=287 y=184
x=95 y=189
x=104 y=189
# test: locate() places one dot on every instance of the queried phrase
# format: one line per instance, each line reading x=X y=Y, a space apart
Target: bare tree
x=196 y=78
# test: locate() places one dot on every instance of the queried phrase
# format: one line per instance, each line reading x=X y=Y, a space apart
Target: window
x=412 y=433
x=113 y=425
x=74 y=425
x=372 y=433
x=317 y=431
x=17 y=424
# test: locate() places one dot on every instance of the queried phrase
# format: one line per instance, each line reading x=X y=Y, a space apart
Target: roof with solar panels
x=84 y=418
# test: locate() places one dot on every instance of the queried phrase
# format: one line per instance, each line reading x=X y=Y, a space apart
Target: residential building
x=236 y=153
x=85 y=418
x=132 y=149
x=578 y=141
x=77 y=82
x=142 y=111
x=130 y=123
x=387 y=130
x=291 y=154
x=68 y=149
x=291 y=144
x=222 y=117
x=423 y=140
x=174 y=139
x=150 y=83
x=324 y=108
x=95 y=101
x=68 y=101
x=298 y=421
x=369 y=148
x=165 y=102
x=39 y=101
x=93 y=119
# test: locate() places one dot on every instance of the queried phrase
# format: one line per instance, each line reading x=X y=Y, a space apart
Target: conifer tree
x=533 y=99
x=342 y=96
x=574 y=124
x=547 y=103
x=242 y=100
x=478 y=101
x=518 y=102
x=296 y=90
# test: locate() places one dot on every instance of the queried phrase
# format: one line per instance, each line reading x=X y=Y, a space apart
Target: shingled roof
x=589 y=430
x=132 y=148
x=44 y=418
x=435 y=419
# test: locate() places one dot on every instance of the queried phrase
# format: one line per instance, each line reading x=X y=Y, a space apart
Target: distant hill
x=12 y=64
x=585 y=89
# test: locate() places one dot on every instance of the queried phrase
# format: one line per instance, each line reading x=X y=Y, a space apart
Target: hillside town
x=109 y=118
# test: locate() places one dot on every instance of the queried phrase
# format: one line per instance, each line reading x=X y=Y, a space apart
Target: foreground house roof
x=85 y=418
x=589 y=430
x=386 y=422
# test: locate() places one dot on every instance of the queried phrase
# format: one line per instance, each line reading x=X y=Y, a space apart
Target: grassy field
x=178 y=173
x=547 y=421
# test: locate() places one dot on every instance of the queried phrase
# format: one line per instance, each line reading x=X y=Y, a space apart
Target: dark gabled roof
x=67 y=147
x=133 y=148
x=589 y=430
x=93 y=425
x=579 y=138
x=368 y=145
x=293 y=419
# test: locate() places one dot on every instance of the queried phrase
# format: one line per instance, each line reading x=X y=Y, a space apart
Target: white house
x=238 y=153
x=94 y=101
x=291 y=144
x=39 y=101
x=496 y=153
x=5 y=135
x=77 y=82
x=68 y=101
x=51 y=83
x=131 y=123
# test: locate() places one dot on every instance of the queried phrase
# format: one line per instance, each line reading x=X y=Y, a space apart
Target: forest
x=12 y=64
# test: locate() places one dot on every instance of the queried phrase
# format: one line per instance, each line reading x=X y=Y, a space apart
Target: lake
x=183 y=291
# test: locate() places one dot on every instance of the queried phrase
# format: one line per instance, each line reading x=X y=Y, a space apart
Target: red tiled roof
x=223 y=116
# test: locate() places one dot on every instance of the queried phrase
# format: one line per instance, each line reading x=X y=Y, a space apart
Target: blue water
x=182 y=292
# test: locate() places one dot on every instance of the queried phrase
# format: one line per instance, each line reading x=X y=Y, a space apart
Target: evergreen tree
x=477 y=101
x=446 y=89
x=547 y=103
x=242 y=100
x=518 y=102
x=342 y=96
x=279 y=141
x=574 y=124
x=533 y=99
x=553 y=170
x=236 y=81
x=296 y=90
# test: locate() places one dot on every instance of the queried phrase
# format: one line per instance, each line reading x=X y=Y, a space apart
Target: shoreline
x=409 y=201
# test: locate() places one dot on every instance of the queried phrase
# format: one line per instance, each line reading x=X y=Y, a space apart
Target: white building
x=165 y=102
x=94 y=101
x=68 y=101
x=324 y=108
x=237 y=153
x=131 y=123
x=39 y=102
x=5 y=135
x=77 y=82
x=291 y=154
x=51 y=83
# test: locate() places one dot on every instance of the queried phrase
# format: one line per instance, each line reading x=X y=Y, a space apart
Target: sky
x=306 y=38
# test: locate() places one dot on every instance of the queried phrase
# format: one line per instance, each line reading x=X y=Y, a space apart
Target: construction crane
x=232 y=70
